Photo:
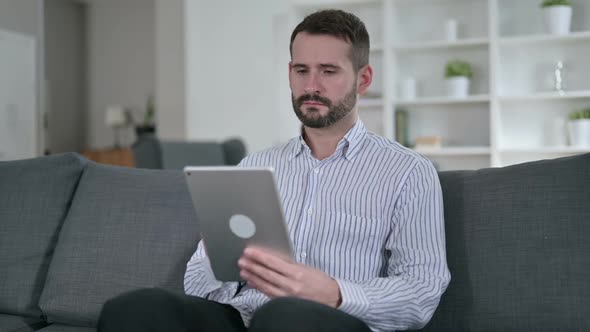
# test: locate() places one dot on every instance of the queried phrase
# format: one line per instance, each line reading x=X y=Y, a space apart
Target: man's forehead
x=312 y=49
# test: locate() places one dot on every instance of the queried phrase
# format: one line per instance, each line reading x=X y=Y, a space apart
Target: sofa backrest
x=234 y=151
x=35 y=196
x=177 y=155
x=518 y=248
x=147 y=152
x=126 y=229
x=151 y=152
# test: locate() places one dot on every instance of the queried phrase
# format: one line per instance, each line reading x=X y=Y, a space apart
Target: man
x=364 y=214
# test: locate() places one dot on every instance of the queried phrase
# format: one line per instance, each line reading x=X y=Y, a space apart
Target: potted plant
x=579 y=128
x=557 y=16
x=147 y=126
x=458 y=74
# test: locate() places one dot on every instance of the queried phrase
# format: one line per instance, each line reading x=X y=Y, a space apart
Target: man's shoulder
x=401 y=163
x=394 y=152
x=272 y=155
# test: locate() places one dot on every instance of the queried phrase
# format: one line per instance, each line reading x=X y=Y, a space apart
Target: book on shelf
x=401 y=127
x=428 y=142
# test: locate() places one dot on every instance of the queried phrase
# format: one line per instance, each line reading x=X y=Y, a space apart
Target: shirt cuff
x=354 y=300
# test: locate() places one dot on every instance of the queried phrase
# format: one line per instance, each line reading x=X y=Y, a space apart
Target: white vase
x=579 y=132
x=408 y=89
x=451 y=30
x=457 y=87
x=558 y=19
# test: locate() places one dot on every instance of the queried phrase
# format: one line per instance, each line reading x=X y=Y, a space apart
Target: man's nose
x=312 y=85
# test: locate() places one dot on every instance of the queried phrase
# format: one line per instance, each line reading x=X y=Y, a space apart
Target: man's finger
x=268 y=274
x=261 y=285
x=269 y=261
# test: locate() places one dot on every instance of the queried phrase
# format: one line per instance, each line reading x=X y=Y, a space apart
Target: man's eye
x=329 y=72
x=301 y=71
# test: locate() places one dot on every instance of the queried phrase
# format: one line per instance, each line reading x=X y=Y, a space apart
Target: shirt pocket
x=352 y=226
x=352 y=245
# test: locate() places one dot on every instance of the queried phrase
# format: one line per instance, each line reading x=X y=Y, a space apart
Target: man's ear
x=364 y=79
x=289 y=74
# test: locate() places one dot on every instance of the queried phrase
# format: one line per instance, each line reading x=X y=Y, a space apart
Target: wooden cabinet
x=119 y=157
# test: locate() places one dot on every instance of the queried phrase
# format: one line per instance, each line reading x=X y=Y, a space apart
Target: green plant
x=549 y=3
x=455 y=68
x=150 y=112
x=580 y=114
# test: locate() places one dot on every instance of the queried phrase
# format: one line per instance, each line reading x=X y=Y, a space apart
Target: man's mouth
x=313 y=103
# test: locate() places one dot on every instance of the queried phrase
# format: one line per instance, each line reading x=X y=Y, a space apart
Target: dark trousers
x=158 y=310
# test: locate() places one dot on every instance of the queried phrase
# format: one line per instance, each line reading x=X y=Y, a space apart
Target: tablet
x=237 y=207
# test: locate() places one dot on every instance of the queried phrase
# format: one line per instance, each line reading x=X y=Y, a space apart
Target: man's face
x=322 y=79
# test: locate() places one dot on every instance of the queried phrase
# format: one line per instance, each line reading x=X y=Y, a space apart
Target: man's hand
x=276 y=277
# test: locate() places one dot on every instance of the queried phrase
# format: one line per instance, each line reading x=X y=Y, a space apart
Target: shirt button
x=303 y=254
x=317 y=170
x=309 y=211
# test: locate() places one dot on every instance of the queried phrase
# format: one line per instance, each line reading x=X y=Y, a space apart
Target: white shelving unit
x=513 y=113
x=432 y=45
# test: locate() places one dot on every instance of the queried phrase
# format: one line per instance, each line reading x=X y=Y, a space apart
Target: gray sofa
x=75 y=233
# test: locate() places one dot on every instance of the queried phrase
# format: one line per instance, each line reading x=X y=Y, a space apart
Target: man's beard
x=313 y=119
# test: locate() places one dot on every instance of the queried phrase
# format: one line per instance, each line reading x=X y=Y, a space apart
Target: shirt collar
x=350 y=143
x=299 y=145
x=355 y=137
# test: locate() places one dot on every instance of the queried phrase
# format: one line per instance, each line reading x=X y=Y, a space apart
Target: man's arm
x=417 y=268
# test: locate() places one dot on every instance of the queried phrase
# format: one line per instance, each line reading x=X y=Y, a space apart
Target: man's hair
x=339 y=24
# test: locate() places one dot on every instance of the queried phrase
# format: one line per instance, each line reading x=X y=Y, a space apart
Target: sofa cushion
x=35 y=195
x=518 y=248
x=127 y=229
x=10 y=323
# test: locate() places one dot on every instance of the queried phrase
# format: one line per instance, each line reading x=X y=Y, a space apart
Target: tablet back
x=237 y=206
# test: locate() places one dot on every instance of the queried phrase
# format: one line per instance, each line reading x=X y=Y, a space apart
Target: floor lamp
x=116 y=118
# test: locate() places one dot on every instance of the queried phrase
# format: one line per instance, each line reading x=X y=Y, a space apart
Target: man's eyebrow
x=323 y=65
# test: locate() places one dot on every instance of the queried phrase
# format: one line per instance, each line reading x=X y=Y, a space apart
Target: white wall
x=170 y=70
x=26 y=17
x=18 y=114
x=121 y=62
x=231 y=70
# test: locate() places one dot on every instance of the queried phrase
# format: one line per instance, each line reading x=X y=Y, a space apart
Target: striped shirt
x=370 y=216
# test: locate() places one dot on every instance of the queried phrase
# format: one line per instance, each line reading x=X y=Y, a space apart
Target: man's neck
x=323 y=141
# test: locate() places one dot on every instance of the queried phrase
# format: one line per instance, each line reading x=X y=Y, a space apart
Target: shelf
x=539 y=39
x=314 y=5
x=437 y=45
x=568 y=95
x=456 y=151
x=512 y=115
x=444 y=101
x=549 y=150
